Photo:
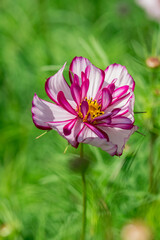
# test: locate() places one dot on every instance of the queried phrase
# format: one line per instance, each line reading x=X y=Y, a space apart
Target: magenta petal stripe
x=120 y=91
x=76 y=79
x=96 y=83
x=84 y=108
x=84 y=89
x=122 y=126
x=77 y=66
x=87 y=71
x=41 y=112
x=68 y=127
x=71 y=138
x=87 y=136
x=106 y=99
x=64 y=103
x=117 y=120
x=75 y=91
x=97 y=131
x=38 y=124
x=115 y=111
x=119 y=102
x=120 y=72
x=104 y=116
x=111 y=87
x=122 y=111
x=96 y=75
x=83 y=76
x=57 y=83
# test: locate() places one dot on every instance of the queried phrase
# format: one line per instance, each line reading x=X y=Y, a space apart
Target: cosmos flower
x=96 y=109
x=152 y=7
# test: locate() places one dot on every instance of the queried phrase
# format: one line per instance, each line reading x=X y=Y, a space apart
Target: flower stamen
x=94 y=110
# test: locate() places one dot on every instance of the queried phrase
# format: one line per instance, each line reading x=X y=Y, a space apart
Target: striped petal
x=84 y=108
x=106 y=99
x=120 y=91
x=70 y=131
x=119 y=72
x=119 y=136
x=64 y=103
x=94 y=74
x=44 y=112
x=57 y=83
x=76 y=93
x=86 y=135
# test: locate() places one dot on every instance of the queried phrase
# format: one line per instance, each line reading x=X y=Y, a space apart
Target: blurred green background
x=40 y=196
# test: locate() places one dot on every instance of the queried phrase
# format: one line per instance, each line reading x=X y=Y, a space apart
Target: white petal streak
x=72 y=138
x=119 y=136
x=43 y=112
x=94 y=74
x=57 y=83
x=119 y=72
x=89 y=137
x=120 y=103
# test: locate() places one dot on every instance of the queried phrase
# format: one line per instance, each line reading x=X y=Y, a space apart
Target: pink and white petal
x=64 y=103
x=84 y=108
x=121 y=119
x=104 y=145
x=69 y=126
x=127 y=110
x=97 y=131
x=44 y=112
x=89 y=137
x=103 y=116
x=72 y=137
x=115 y=111
x=119 y=136
x=106 y=99
x=76 y=79
x=125 y=126
x=111 y=86
x=121 y=74
x=119 y=103
x=57 y=83
x=76 y=93
x=84 y=89
x=78 y=66
x=120 y=91
x=94 y=74
x=96 y=80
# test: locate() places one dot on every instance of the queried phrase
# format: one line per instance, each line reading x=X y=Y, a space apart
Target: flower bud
x=157 y=92
x=153 y=62
x=5 y=230
x=136 y=230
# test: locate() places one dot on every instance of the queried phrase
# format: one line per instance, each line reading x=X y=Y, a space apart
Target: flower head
x=96 y=109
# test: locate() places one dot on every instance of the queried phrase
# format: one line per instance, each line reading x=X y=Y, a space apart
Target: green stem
x=151 y=164
x=152 y=136
x=84 y=196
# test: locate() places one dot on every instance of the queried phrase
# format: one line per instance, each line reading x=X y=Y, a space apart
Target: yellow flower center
x=94 y=110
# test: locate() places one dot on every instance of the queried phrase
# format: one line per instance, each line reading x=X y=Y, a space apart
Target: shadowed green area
x=40 y=196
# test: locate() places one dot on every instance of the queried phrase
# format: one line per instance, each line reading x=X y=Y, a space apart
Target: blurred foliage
x=40 y=196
